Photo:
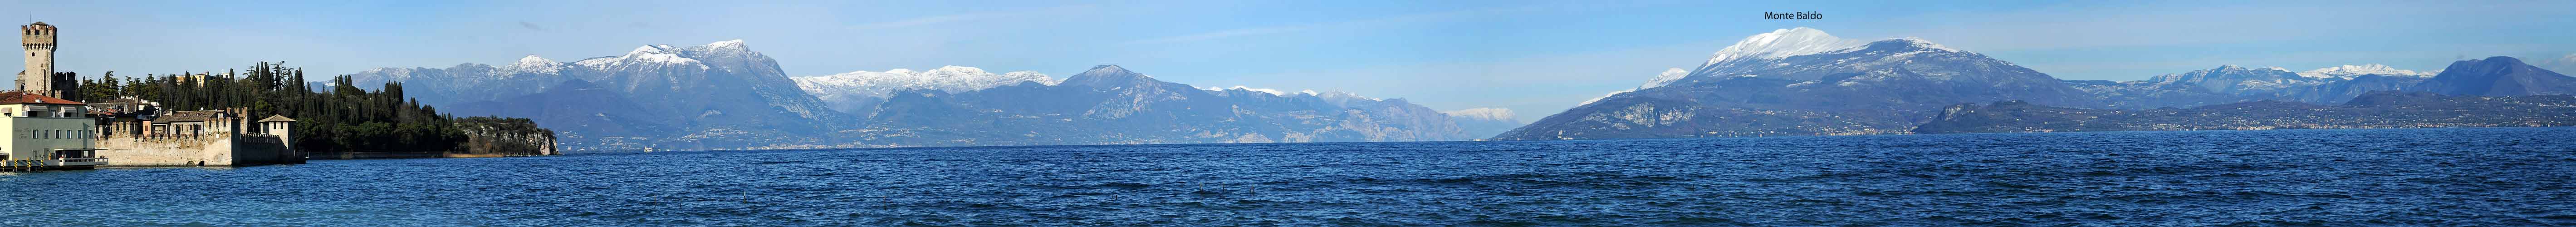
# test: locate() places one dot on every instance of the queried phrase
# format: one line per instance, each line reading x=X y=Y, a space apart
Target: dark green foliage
x=347 y=119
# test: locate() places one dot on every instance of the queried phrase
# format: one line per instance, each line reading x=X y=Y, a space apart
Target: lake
x=2457 y=176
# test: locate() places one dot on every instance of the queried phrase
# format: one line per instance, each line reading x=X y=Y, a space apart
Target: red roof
x=21 y=97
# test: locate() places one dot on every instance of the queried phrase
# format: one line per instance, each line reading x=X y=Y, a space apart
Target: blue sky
x=1535 y=57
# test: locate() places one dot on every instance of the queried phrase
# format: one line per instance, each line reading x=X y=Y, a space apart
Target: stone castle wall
x=220 y=149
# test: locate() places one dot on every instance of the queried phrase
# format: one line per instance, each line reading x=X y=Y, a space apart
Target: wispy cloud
x=2562 y=65
x=1391 y=20
x=941 y=19
x=531 y=26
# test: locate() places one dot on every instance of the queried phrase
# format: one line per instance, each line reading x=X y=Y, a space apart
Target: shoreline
x=1487 y=140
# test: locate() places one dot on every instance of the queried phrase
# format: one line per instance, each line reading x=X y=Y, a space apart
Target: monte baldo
x=1802 y=81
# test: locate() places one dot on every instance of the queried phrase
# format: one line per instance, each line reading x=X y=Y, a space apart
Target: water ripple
x=2496 y=176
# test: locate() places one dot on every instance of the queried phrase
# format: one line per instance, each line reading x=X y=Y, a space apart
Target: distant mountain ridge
x=2497 y=76
x=723 y=95
x=1767 y=85
x=858 y=90
x=1802 y=81
x=1485 y=122
x=718 y=95
x=2378 y=109
x=1110 y=105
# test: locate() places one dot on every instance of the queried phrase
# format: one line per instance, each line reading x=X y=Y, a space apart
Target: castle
x=40 y=78
x=49 y=132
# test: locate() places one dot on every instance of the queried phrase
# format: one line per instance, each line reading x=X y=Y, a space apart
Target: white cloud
x=2562 y=65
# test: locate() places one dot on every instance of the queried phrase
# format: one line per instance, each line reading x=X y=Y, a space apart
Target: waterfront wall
x=221 y=149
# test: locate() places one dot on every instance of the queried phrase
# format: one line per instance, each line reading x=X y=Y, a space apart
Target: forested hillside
x=344 y=119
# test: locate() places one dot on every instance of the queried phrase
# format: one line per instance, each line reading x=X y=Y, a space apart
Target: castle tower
x=39 y=77
x=281 y=126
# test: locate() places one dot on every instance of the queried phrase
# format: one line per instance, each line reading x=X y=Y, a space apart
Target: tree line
x=343 y=118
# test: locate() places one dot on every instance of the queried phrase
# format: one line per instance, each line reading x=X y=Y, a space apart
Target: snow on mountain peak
x=1784 y=43
x=727 y=44
x=534 y=59
x=647 y=49
x=946 y=78
x=1340 y=94
x=534 y=64
x=2348 y=71
x=661 y=54
x=1262 y=90
x=1920 y=42
x=1667 y=78
x=1487 y=113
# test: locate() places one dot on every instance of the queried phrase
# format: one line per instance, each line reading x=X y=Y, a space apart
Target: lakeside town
x=60 y=121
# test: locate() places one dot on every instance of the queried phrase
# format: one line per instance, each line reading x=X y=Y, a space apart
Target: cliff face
x=504 y=137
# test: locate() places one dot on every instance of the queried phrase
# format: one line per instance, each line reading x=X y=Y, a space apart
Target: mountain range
x=723 y=95
x=1802 y=81
x=1796 y=81
x=2376 y=109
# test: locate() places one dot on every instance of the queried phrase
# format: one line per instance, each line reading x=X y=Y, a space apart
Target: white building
x=47 y=131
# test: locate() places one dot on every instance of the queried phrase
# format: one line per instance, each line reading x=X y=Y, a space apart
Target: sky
x=1534 y=57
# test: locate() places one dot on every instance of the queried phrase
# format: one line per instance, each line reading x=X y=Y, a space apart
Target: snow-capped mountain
x=1784 y=43
x=1485 y=122
x=2349 y=71
x=2240 y=81
x=718 y=95
x=2232 y=84
x=1803 y=81
x=852 y=91
x=532 y=64
x=1666 y=78
x=1275 y=92
x=1110 y=105
x=1805 y=54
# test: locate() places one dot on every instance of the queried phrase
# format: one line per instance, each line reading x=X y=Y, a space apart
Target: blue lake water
x=2491 y=176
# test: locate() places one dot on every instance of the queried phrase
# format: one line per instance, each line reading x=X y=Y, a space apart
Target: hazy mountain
x=724 y=95
x=2239 y=81
x=2350 y=71
x=2497 y=76
x=719 y=95
x=2224 y=84
x=1804 y=82
x=855 y=91
x=604 y=118
x=2232 y=84
x=2379 y=109
x=2353 y=86
x=1111 y=105
x=1485 y=122
x=469 y=82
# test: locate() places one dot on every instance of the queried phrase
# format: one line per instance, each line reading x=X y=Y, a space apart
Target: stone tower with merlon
x=39 y=77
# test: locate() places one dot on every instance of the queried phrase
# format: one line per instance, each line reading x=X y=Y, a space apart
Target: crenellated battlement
x=39 y=39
